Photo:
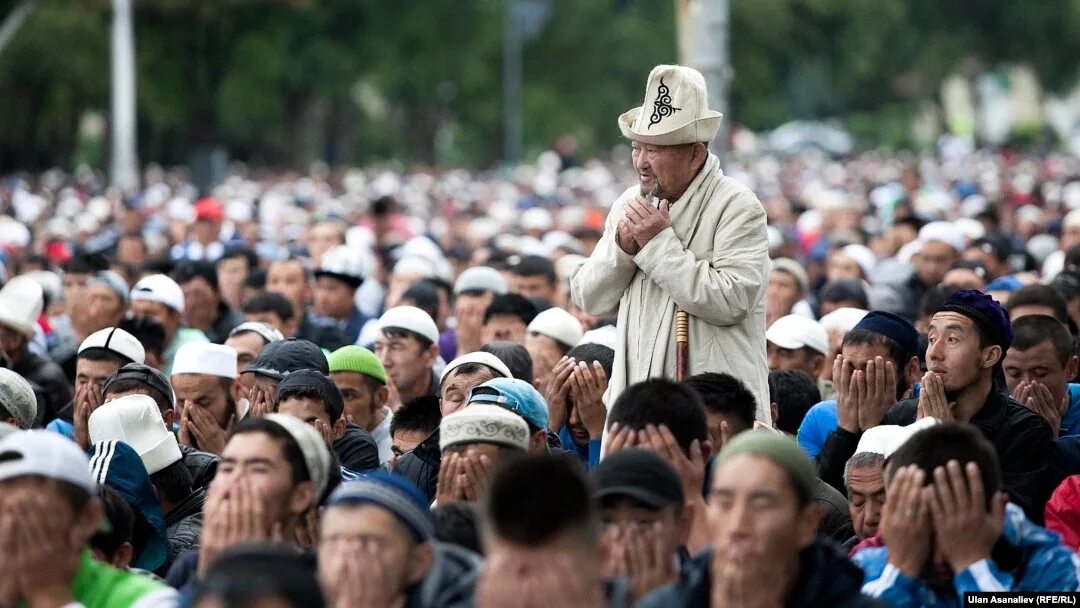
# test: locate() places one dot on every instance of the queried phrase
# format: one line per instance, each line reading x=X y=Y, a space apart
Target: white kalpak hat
x=205 y=358
x=117 y=341
x=482 y=423
x=885 y=439
x=136 y=420
x=558 y=325
x=676 y=109
x=21 y=301
x=161 y=289
x=793 y=332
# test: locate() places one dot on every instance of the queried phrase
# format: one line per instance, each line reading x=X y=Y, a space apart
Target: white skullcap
x=863 y=256
x=412 y=319
x=17 y=397
x=316 y=453
x=558 y=325
x=480 y=357
x=943 y=232
x=480 y=278
x=205 y=358
x=885 y=439
x=843 y=319
x=604 y=336
x=537 y=218
x=482 y=423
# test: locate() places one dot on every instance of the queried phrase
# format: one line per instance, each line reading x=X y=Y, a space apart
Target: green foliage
x=284 y=82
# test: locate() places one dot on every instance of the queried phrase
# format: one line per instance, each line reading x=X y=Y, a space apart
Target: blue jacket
x=1070 y=422
x=1039 y=562
x=589 y=455
x=819 y=421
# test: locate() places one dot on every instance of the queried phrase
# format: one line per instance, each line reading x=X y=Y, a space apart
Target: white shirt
x=383 y=438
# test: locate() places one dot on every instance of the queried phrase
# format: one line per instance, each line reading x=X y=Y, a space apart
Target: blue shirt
x=1070 y=422
x=822 y=419
x=588 y=455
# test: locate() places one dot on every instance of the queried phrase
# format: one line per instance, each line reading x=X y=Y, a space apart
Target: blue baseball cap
x=515 y=395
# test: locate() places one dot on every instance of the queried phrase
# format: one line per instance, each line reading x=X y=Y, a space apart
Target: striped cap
x=393 y=493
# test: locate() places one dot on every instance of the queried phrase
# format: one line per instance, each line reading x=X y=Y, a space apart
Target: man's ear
x=817 y=364
x=914 y=371
x=382 y=395
x=169 y=417
x=237 y=390
x=431 y=354
x=538 y=441
x=123 y=557
x=774 y=411
x=706 y=450
x=302 y=497
x=338 y=430
x=683 y=524
x=806 y=528
x=991 y=356
x=1071 y=367
x=422 y=558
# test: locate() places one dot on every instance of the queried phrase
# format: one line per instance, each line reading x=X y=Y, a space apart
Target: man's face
x=359 y=396
x=754 y=512
x=627 y=516
x=1070 y=237
x=866 y=498
x=204 y=391
x=784 y=288
x=714 y=420
x=400 y=282
x=405 y=362
x=103 y=307
x=828 y=306
x=964 y=278
x=1039 y=364
x=545 y=355
x=374 y=526
x=784 y=359
x=333 y=298
x=667 y=170
x=933 y=261
x=200 y=302
x=532 y=286
x=232 y=273
x=90 y=373
x=260 y=459
x=311 y=411
x=247 y=345
x=508 y=328
x=61 y=515
x=953 y=351
x=168 y=318
x=12 y=342
x=471 y=306
x=455 y=389
x=75 y=294
x=405 y=442
x=269 y=318
x=840 y=266
x=321 y=238
x=290 y=280
x=131 y=250
x=207 y=231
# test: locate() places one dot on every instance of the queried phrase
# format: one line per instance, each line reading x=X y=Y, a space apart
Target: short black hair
x=419 y=414
x=198 y=269
x=297 y=391
x=468 y=369
x=794 y=392
x=256 y=279
x=424 y=296
x=271 y=302
x=1032 y=330
x=457 y=523
x=515 y=356
x=249 y=574
x=100 y=354
x=85 y=263
x=935 y=446
x=535 y=498
x=896 y=353
x=147 y=331
x=845 y=289
x=121 y=518
x=535 y=266
x=934 y=298
x=1040 y=295
x=727 y=395
x=291 y=450
x=511 y=304
x=402 y=334
x=662 y=402
x=174 y=481
x=590 y=352
x=232 y=253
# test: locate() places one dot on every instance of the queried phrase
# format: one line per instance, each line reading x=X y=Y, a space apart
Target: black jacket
x=51 y=386
x=357 y=450
x=325 y=334
x=421 y=466
x=183 y=525
x=227 y=320
x=826 y=578
x=202 y=465
x=1022 y=438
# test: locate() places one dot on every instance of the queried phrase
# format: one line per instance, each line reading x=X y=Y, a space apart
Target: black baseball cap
x=152 y=377
x=638 y=474
x=309 y=380
x=279 y=359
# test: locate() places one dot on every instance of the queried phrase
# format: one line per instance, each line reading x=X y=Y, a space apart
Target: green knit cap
x=777 y=448
x=359 y=360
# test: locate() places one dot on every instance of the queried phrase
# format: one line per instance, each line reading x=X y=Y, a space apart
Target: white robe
x=713 y=262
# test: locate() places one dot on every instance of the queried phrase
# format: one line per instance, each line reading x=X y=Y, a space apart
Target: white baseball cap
x=265 y=331
x=796 y=331
x=410 y=318
x=943 y=232
x=161 y=289
x=117 y=341
x=136 y=420
x=558 y=325
x=480 y=357
x=45 y=454
x=205 y=358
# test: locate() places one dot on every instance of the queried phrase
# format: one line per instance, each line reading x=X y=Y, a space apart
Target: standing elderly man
x=687 y=237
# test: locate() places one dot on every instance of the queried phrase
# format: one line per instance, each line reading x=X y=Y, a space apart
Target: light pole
x=703 y=45
x=125 y=162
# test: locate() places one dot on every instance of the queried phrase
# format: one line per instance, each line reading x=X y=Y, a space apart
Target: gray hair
x=864 y=460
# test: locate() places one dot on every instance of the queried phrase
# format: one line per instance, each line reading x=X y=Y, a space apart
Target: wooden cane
x=682 y=345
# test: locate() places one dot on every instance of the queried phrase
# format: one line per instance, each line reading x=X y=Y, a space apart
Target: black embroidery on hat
x=662 y=106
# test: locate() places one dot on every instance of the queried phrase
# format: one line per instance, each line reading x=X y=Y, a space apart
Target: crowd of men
x=370 y=390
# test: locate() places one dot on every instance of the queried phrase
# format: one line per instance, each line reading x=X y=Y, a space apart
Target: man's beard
x=653 y=192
